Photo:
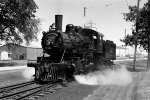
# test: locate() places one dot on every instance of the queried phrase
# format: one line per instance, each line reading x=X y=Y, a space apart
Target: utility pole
x=91 y=24
x=148 y=57
x=84 y=13
x=125 y=44
x=137 y=28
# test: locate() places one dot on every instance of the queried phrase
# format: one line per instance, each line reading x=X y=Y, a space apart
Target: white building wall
x=120 y=52
x=4 y=56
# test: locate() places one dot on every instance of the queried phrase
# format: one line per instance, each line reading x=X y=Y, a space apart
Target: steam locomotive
x=77 y=50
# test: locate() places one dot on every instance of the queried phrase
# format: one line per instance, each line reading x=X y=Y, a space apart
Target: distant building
x=121 y=51
x=18 y=52
x=129 y=52
x=4 y=55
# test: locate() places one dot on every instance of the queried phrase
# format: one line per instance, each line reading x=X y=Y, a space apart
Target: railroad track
x=27 y=90
x=15 y=86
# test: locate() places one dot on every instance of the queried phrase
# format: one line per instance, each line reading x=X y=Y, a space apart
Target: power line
x=106 y=5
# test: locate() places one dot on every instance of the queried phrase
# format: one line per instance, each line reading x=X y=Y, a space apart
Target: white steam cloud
x=28 y=72
x=119 y=77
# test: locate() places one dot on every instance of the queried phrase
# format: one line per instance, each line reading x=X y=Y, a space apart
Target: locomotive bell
x=58 y=22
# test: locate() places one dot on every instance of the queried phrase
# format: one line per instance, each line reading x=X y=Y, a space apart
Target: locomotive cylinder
x=58 y=22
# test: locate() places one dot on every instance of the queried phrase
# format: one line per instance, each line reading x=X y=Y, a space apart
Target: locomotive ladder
x=63 y=56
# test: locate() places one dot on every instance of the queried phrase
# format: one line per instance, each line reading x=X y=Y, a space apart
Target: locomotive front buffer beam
x=51 y=72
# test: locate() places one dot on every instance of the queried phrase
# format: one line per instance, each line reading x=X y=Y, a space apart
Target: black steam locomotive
x=77 y=50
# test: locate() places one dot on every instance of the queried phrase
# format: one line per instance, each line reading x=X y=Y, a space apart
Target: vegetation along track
x=25 y=90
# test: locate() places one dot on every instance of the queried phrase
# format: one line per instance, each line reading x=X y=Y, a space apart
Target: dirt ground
x=139 y=89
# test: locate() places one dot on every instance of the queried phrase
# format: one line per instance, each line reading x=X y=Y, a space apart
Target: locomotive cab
x=95 y=37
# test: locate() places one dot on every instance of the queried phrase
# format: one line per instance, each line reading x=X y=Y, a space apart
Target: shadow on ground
x=137 y=69
x=12 y=63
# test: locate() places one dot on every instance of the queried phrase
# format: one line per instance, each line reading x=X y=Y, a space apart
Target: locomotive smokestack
x=58 y=22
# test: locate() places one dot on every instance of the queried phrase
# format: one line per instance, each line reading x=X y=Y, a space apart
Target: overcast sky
x=105 y=14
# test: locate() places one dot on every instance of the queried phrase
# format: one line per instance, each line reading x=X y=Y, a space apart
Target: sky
x=106 y=16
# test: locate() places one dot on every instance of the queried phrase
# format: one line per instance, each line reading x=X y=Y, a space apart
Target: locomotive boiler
x=77 y=50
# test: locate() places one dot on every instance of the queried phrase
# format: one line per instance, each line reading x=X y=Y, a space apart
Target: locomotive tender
x=71 y=52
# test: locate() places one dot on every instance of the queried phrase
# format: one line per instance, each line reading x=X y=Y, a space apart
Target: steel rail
x=36 y=90
x=2 y=97
x=11 y=87
x=20 y=98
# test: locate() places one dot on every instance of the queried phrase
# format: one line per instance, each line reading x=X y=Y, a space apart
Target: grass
x=140 y=65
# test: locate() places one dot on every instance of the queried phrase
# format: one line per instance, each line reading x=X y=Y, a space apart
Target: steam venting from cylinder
x=58 y=22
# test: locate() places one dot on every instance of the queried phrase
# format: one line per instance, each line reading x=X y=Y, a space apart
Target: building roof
x=21 y=46
x=120 y=47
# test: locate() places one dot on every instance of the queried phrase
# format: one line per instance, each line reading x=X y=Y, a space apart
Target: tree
x=18 y=22
x=144 y=25
x=133 y=16
x=142 y=37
